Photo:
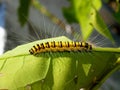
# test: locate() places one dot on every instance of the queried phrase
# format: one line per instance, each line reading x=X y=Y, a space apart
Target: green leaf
x=23 y=11
x=80 y=12
x=98 y=23
x=69 y=15
x=116 y=15
x=55 y=70
x=85 y=13
x=18 y=68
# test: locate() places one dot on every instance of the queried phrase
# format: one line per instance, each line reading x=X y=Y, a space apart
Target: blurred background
x=40 y=26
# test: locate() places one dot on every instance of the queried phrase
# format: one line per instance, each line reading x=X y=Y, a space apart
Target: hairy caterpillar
x=60 y=46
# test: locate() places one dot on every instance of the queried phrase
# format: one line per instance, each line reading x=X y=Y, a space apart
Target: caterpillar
x=60 y=46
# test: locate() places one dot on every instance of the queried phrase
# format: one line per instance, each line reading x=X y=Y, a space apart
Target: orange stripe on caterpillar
x=60 y=46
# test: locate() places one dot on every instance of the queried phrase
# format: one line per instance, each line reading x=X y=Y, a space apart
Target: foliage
x=116 y=14
x=86 y=14
x=55 y=71
x=23 y=11
x=61 y=70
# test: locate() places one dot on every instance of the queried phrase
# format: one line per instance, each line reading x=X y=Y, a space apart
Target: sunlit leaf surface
x=86 y=14
x=54 y=70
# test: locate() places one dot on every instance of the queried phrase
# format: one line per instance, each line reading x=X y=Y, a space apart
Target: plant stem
x=45 y=12
x=117 y=67
x=101 y=49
